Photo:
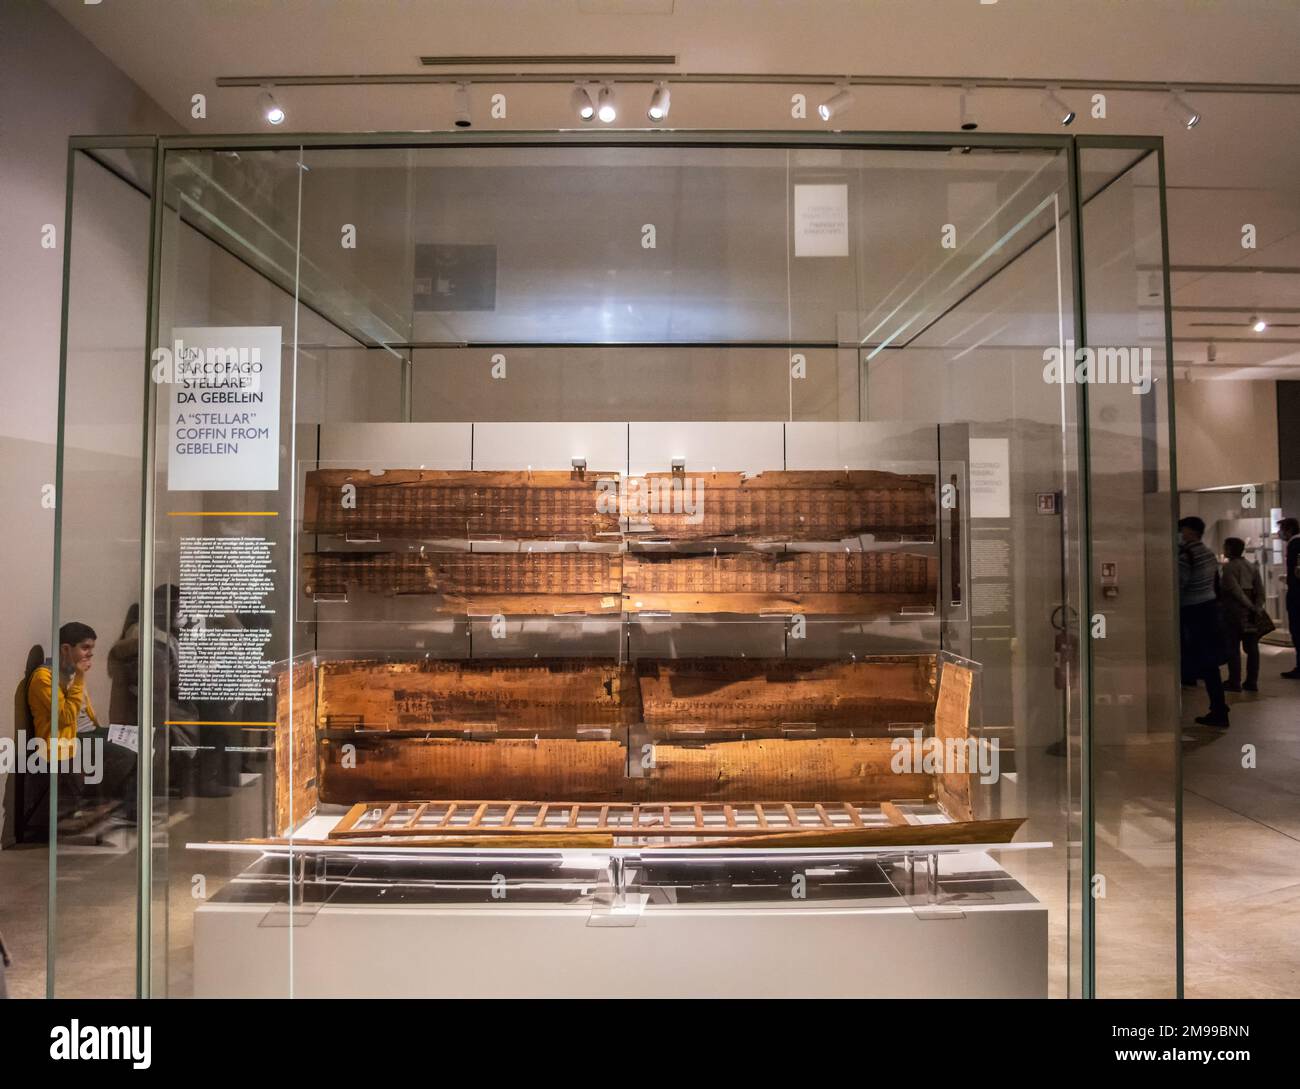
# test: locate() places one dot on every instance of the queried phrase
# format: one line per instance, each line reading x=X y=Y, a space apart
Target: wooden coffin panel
x=476 y=583
x=296 y=779
x=823 y=769
x=856 y=583
x=782 y=506
x=493 y=697
x=426 y=503
x=952 y=725
x=767 y=696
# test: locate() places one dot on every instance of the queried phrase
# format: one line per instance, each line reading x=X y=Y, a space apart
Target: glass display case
x=649 y=563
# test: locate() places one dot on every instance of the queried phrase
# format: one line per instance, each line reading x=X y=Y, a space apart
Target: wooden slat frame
x=663 y=818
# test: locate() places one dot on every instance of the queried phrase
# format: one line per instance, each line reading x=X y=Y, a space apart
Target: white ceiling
x=1240 y=165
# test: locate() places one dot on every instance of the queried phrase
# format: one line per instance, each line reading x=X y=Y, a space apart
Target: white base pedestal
x=741 y=951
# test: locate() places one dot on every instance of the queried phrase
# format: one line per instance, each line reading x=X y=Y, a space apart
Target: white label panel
x=223 y=422
x=990 y=478
x=821 y=220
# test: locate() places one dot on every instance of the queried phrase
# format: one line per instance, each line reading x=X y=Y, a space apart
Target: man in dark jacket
x=1204 y=644
x=1289 y=530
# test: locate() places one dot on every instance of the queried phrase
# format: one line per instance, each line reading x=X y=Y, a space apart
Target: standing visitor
x=1203 y=642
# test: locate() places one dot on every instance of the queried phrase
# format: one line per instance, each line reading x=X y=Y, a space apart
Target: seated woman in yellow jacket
x=76 y=653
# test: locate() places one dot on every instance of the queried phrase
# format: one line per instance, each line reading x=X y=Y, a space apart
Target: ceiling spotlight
x=461 y=103
x=606 y=110
x=968 y=122
x=270 y=109
x=837 y=103
x=581 y=102
x=1257 y=323
x=1183 y=110
x=1056 y=107
x=660 y=101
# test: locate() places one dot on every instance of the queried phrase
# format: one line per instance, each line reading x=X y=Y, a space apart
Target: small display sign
x=821 y=220
x=223 y=414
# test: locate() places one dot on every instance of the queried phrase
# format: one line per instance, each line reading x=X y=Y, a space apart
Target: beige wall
x=1227 y=433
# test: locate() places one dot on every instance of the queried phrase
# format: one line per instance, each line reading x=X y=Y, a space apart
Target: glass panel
x=725 y=482
x=976 y=368
x=749 y=332
x=1134 y=680
x=229 y=330
x=97 y=563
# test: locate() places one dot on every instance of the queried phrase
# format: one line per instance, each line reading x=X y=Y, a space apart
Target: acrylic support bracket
x=620 y=902
x=926 y=900
x=308 y=871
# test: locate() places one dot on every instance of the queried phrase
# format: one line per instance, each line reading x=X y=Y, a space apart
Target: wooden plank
x=434 y=504
x=951 y=730
x=532 y=840
x=781 y=505
x=957 y=832
x=509 y=697
x=867 y=606
x=852 y=811
x=296 y=773
x=821 y=813
x=759 y=696
x=351 y=817
x=830 y=769
x=462 y=577
x=894 y=815
x=478 y=816
x=821 y=582
x=446 y=817
x=415 y=817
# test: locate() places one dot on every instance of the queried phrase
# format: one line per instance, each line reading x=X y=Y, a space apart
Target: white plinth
x=673 y=951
